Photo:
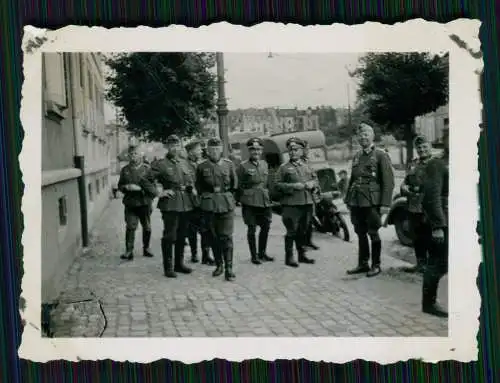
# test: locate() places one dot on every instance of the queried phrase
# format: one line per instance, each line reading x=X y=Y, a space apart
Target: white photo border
x=465 y=252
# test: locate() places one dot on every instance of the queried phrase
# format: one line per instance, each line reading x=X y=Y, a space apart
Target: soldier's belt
x=180 y=188
x=218 y=189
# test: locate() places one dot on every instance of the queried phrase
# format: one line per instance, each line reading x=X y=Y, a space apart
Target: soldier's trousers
x=197 y=225
x=175 y=226
x=220 y=233
x=437 y=267
x=296 y=220
x=254 y=216
x=367 y=222
x=422 y=235
x=134 y=215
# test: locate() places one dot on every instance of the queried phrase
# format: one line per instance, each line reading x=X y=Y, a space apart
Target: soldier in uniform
x=253 y=194
x=435 y=208
x=369 y=196
x=316 y=198
x=138 y=203
x=295 y=184
x=411 y=188
x=175 y=203
x=196 y=225
x=216 y=181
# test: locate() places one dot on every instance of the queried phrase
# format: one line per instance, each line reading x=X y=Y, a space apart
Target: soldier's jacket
x=290 y=173
x=173 y=174
x=136 y=175
x=372 y=179
x=414 y=179
x=193 y=165
x=216 y=183
x=435 y=193
x=253 y=184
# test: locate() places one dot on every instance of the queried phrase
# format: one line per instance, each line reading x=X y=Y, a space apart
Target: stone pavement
x=265 y=300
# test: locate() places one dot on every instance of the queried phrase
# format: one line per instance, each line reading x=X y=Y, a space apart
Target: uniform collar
x=369 y=149
x=254 y=162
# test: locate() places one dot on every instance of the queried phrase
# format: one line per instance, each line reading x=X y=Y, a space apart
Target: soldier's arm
x=234 y=178
x=147 y=183
x=123 y=182
x=239 y=174
x=432 y=189
x=280 y=184
x=198 y=179
x=386 y=178
x=348 y=187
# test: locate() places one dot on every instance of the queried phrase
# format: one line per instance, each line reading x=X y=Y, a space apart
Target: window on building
x=90 y=192
x=63 y=211
x=55 y=78
x=97 y=186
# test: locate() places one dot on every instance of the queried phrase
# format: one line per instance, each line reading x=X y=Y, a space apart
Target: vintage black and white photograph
x=231 y=194
x=245 y=194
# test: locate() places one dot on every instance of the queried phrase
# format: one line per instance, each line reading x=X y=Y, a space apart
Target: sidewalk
x=267 y=300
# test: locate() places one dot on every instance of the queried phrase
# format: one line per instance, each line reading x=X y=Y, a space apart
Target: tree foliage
x=397 y=87
x=159 y=94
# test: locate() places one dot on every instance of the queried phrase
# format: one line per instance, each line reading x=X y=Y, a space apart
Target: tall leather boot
x=376 y=252
x=363 y=255
x=289 y=261
x=168 y=265
x=206 y=259
x=228 y=263
x=216 y=249
x=252 y=245
x=180 y=267
x=421 y=255
x=308 y=238
x=429 y=294
x=146 y=239
x=193 y=244
x=263 y=236
x=301 y=251
x=129 y=245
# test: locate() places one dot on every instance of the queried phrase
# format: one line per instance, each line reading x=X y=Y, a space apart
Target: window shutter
x=55 y=90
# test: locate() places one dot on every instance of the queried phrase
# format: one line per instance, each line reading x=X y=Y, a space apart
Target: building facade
x=432 y=125
x=75 y=160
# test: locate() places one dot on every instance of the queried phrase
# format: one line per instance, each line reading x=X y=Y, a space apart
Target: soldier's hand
x=167 y=193
x=299 y=186
x=310 y=185
x=134 y=187
x=438 y=235
x=405 y=189
x=384 y=210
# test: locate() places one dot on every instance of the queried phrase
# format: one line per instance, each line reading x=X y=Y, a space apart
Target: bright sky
x=289 y=80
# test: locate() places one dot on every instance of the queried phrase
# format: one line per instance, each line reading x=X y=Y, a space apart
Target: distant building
x=73 y=131
x=118 y=137
x=433 y=124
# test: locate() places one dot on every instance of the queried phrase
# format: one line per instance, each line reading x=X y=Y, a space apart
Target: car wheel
x=402 y=226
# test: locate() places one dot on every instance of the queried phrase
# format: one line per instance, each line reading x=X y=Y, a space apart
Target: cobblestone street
x=266 y=300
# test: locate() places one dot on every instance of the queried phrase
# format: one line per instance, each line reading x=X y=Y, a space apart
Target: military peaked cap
x=193 y=144
x=254 y=143
x=173 y=139
x=420 y=139
x=214 y=141
x=294 y=140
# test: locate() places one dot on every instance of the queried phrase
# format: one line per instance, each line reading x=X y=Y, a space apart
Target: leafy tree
x=159 y=94
x=397 y=87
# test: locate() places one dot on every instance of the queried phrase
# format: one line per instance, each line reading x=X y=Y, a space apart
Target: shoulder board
x=227 y=160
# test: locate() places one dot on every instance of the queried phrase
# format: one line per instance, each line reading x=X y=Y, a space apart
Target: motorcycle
x=328 y=219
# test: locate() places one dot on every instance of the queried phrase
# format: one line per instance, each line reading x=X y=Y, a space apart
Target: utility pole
x=222 y=104
x=349 y=115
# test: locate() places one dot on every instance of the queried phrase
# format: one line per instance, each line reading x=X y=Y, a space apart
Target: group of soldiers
x=199 y=195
